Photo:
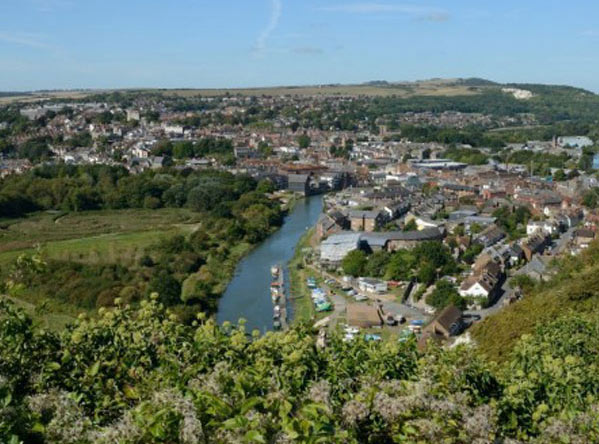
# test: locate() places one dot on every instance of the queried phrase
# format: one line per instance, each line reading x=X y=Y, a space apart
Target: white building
x=545 y=226
x=475 y=286
x=370 y=285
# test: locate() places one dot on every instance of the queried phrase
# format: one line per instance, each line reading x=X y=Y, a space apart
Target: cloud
x=308 y=50
x=25 y=39
x=275 y=16
x=51 y=5
x=438 y=17
x=424 y=13
x=590 y=33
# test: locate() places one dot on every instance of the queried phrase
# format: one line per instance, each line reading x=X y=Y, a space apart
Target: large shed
x=363 y=315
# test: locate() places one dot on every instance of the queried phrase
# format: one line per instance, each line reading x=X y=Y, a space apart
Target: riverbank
x=248 y=294
x=303 y=308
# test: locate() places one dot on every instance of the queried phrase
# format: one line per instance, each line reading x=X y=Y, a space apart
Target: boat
x=325 y=306
x=274 y=271
x=276 y=324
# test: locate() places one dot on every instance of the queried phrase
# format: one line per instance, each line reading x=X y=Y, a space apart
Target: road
x=507 y=291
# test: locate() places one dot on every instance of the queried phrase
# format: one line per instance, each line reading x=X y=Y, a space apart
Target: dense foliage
x=139 y=376
x=425 y=262
x=91 y=187
x=189 y=271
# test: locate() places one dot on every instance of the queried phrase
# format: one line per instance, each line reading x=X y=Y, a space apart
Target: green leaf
x=254 y=436
x=130 y=392
x=53 y=366
x=93 y=370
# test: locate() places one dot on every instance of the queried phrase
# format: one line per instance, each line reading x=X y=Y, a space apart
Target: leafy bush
x=140 y=376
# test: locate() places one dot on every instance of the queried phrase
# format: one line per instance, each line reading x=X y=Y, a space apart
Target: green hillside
x=574 y=290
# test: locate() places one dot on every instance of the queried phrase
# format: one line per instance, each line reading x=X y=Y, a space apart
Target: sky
x=69 y=44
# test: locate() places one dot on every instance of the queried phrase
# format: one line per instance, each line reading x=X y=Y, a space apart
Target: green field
x=93 y=238
x=435 y=87
x=115 y=236
x=404 y=89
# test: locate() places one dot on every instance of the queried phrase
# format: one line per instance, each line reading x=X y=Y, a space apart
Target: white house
x=370 y=285
x=476 y=286
x=545 y=226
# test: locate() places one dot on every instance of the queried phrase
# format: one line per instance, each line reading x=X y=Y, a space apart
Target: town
x=419 y=235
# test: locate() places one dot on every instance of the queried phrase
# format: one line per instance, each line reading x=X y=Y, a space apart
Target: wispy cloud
x=590 y=33
x=275 y=15
x=308 y=50
x=51 y=5
x=30 y=40
x=420 y=12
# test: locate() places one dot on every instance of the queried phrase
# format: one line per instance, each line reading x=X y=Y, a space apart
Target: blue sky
x=48 y=44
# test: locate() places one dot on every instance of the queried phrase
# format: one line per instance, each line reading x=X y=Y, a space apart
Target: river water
x=248 y=294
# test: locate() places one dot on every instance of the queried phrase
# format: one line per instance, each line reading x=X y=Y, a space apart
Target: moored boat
x=274 y=271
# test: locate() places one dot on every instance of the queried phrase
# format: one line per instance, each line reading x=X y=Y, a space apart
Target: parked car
x=390 y=320
x=372 y=337
x=349 y=337
x=361 y=298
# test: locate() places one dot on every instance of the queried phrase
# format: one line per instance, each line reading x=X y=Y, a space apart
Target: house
x=536 y=268
x=396 y=209
x=447 y=323
x=484 y=283
x=583 y=237
x=535 y=244
x=490 y=236
x=363 y=316
x=365 y=220
x=174 y=130
x=244 y=152
x=516 y=254
x=545 y=226
x=133 y=114
x=396 y=240
x=461 y=214
x=328 y=224
x=370 y=285
x=409 y=239
x=574 y=141
x=299 y=183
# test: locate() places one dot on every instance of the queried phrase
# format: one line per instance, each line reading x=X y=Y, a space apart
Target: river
x=248 y=294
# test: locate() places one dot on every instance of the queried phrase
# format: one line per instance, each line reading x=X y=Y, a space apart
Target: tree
x=433 y=252
x=411 y=225
x=445 y=294
x=590 y=199
x=304 y=141
x=377 y=264
x=400 y=266
x=427 y=273
x=559 y=175
x=354 y=263
x=167 y=287
x=264 y=148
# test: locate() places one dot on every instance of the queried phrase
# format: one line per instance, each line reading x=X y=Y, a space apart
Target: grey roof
x=380 y=239
x=336 y=246
x=298 y=178
x=365 y=214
